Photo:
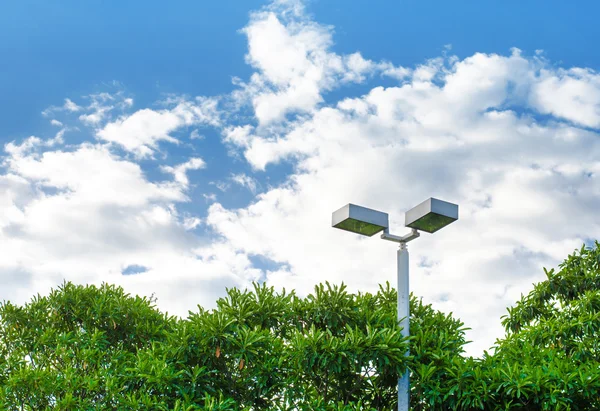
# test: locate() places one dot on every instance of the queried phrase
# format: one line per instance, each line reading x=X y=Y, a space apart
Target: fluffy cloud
x=179 y=171
x=31 y=144
x=294 y=63
x=245 y=181
x=93 y=111
x=86 y=215
x=101 y=105
x=511 y=138
x=141 y=131
x=469 y=131
x=573 y=95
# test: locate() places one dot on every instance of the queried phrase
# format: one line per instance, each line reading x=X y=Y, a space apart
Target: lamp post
x=429 y=216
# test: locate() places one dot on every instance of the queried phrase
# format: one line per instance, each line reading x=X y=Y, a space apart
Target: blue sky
x=182 y=148
x=71 y=48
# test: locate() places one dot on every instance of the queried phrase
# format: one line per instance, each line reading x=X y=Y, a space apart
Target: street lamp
x=429 y=216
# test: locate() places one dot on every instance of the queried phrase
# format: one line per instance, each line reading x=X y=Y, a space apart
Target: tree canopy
x=99 y=348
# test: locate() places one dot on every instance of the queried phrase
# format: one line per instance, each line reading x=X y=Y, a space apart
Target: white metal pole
x=403 y=317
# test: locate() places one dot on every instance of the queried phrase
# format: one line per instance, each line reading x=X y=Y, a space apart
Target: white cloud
x=96 y=111
x=245 y=181
x=189 y=223
x=294 y=63
x=68 y=106
x=141 y=131
x=508 y=137
x=100 y=106
x=238 y=135
x=195 y=135
x=86 y=215
x=526 y=185
x=221 y=185
x=180 y=171
x=32 y=143
x=514 y=218
x=398 y=73
x=569 y=94
x=211 y=197
x=92 y=175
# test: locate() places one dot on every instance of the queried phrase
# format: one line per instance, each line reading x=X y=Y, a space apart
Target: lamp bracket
x=402 y=240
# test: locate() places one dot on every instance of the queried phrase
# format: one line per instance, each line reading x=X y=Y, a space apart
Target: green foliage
x=90 y=348
x=59 y=351
x=550 y=358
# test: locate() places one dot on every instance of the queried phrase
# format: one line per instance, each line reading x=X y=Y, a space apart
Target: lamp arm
x=402 y=240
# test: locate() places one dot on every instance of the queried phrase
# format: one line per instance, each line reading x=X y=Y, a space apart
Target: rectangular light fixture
x=359 y=220
x=431 y=215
